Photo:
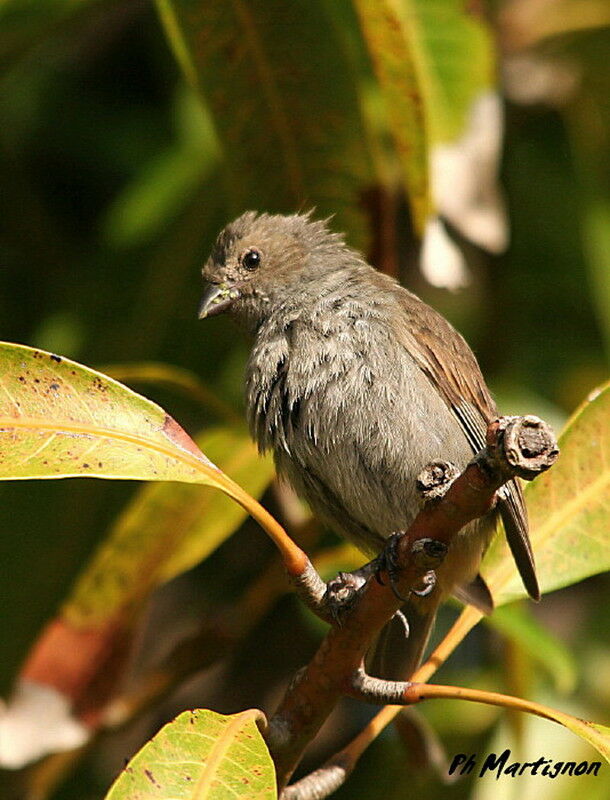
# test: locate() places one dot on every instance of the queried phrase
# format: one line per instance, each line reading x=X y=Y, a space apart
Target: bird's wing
x=449 y=363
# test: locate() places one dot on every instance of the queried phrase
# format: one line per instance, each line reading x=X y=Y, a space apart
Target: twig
x=312 y=590
x=318 y=784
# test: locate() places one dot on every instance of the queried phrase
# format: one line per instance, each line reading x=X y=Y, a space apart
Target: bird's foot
x=426 y=587
x=387 y=562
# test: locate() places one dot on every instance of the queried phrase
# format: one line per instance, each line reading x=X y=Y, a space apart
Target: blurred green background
x=115 y=181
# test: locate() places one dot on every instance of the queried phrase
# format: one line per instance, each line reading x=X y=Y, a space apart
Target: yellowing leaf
x=432 y=58
x=201 y=755
x=177 y=378
x=596 y=735
x=59 y=419
x=568 y=508
x=388 y=36
x=166 y=530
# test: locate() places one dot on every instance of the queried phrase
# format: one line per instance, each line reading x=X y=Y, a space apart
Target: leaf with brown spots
x=59 y=419
x=201 y=755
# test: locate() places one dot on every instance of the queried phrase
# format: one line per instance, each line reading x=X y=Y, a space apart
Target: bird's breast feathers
x=344 y=408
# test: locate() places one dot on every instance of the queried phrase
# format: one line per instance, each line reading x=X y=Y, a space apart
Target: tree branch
x=522 y=446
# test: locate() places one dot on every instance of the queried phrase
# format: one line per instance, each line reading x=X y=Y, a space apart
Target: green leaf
x=568 y=509
x=277 y=79
x=518 y=623
x=455 y=56
x=166 y=530
x=596 y=243
x=432 y=58
x=25 y=22
x=387 y=32
x=344 y=557
x=201 y=755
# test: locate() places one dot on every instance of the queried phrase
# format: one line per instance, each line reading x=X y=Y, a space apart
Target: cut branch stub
x=434 y=480
x=525 y=446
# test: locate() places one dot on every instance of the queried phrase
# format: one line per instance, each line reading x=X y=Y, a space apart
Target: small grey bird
x=356 y=385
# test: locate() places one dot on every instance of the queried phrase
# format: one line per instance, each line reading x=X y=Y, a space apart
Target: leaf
x=166 y=530
x=25 y=22
x=277 y=80
x=518 y=623
x=432 y=59
x=596 y=735
x=59 y=419
x=555 y=743
x=529 y=26
x=344 y=557
x=596 y=243
x=388 y=36
x=455 y=54
x=201 y=755
x=568 y=509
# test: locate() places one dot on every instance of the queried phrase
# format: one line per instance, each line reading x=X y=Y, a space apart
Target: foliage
x=117 y=173
x=199 y=756
x=566 y=509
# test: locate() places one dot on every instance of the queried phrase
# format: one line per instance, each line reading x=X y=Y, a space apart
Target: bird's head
x=262 y=260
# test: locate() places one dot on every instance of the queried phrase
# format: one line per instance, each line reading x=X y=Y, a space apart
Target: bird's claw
x=387 y=561
x=428 y=584
x=405 y=622
x=342 y=591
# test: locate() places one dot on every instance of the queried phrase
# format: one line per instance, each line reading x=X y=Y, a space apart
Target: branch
x=348 y=757
x=328 y=778
x=407 y=693
x=516 y=446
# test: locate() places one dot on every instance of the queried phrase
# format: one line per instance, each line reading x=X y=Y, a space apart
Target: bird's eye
x=250 y=259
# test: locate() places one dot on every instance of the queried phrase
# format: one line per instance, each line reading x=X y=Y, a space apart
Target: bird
x=355 y=385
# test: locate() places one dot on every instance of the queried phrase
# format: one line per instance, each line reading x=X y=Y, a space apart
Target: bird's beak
x=216 y=298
